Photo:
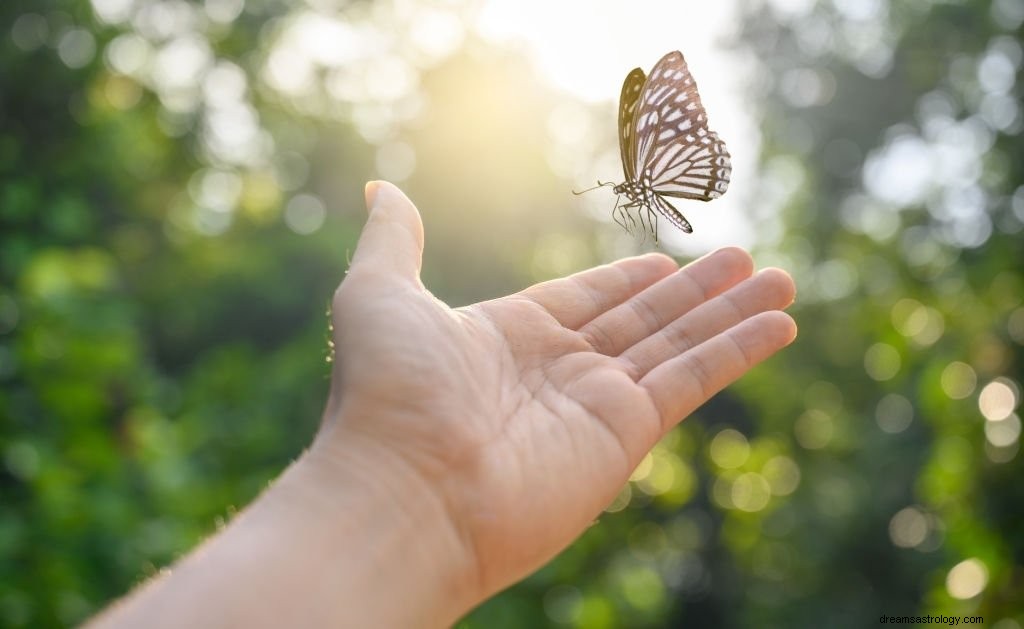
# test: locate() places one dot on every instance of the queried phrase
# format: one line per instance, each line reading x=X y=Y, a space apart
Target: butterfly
x=667 y=148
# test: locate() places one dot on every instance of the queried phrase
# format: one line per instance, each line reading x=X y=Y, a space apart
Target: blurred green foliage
x=163 y=330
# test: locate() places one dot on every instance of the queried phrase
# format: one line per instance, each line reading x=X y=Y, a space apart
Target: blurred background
x=181 y=187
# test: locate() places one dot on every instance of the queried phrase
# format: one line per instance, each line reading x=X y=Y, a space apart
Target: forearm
x=326 y=546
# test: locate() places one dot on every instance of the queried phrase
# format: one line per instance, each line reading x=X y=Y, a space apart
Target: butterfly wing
x=676 y=154
x=627 y=106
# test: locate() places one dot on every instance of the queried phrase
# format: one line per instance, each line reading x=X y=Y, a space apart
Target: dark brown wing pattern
x=628 y=100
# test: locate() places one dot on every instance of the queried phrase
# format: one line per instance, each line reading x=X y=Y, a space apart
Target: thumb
x=392 y=239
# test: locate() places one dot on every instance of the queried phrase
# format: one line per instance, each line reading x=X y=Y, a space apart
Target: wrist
x=379 y=535
x=333 y=543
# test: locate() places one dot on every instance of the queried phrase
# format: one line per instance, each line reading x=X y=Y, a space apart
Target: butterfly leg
x=652 y=219
x=618 y=214
x=623 y=216
x=632 y=221
x=616 y=211
x=645 y=225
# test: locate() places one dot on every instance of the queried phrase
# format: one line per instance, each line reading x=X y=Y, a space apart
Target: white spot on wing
x=657 y=95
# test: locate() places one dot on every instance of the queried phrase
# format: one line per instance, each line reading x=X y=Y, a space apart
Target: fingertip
x=781 y=283
x=792 y=328
x=782 y=274
x=660 y=260
x=383 y=193
x=783 y=326
x=392 y=203
x=370 y=192
x=393 y=234
x=737 y=259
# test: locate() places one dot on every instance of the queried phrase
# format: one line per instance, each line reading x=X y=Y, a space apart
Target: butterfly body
x=666 y=146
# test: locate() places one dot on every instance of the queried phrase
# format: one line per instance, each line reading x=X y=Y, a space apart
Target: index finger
x=581 y=297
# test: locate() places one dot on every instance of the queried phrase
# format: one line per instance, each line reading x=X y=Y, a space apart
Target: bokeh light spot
x=1004 y=432
x=881 y=361
x=913 y=319
x=668 y=474
x=894 y=413
x=621 y=500
x=782 y=474
x=901 y=172
x=641 y=586
x=113 y=11
x=814 y=429
x=121 y=92
x=908 y=528
x=563 y=604
x=643 y=468
x=215 y=189
x=128 y=54
x=1015 y=326
x=997 y=400
x=825 y=396
x=1008 y=13
x=223 y=11
x=721 y=492
x=967 y=579
x=305 y=214
x=729 y=449
x=396 y=161
x=958 y=380
x=751 y=492
x=30 y=31
x=77 y=47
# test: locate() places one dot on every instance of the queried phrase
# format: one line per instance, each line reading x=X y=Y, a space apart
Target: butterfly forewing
x=676 y=155
x=627 y=106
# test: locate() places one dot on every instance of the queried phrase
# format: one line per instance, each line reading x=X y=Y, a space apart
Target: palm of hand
x=526 y=414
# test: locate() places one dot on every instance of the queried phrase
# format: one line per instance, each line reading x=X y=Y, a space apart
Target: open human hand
x=522 y=417
x=462 y=448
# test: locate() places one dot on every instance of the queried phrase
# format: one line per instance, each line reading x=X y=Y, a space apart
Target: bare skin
x=461 y=449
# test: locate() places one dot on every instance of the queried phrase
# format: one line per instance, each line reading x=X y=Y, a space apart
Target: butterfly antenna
x=599 y=185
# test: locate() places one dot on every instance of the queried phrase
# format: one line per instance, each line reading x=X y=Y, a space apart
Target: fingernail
x=370 y=193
